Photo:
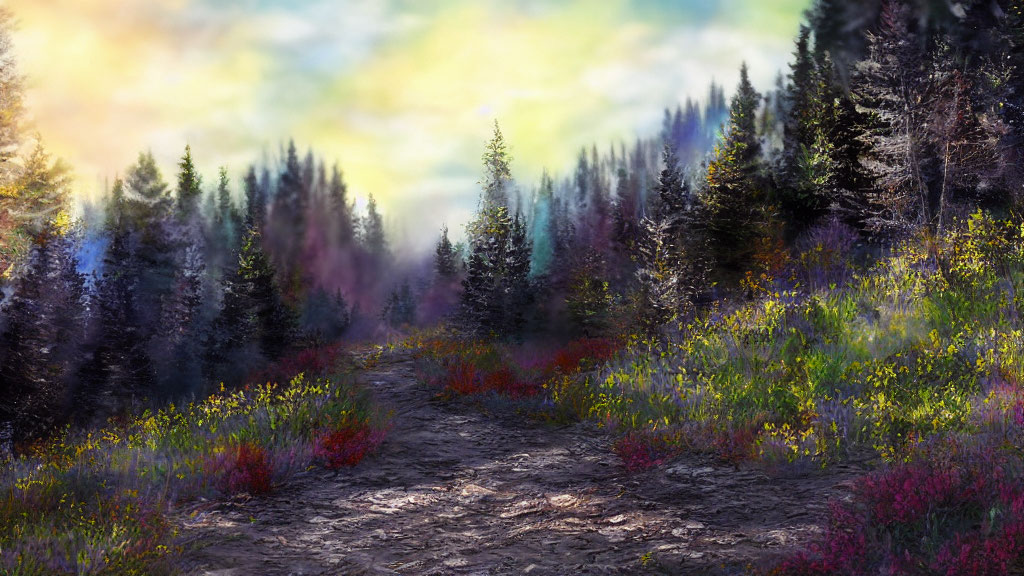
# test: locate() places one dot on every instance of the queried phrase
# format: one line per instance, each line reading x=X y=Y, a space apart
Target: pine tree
x=325 y=317
x=734 y=206
x=146 y=191
x=797 y=193
x=497 y=170
x=189 y=185
x=929 y=149
x=445 y=257
x=40 y=344
x=374 y=239
x=253 y=321
x=673 y=192
x=119 y=367
x=224 y=206
x=254 y=284
x=341 y=211
x=589 y=298
x=31 y=202
x=400 y=307
x=542 y=233
x=890 y=87
x=182 y=325
x=497 y=284
x=12 y=95
x=255 y=201
x=287 y=227
x=658 y=277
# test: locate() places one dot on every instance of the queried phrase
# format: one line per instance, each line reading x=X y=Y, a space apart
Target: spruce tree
x=119 y=367
x=734 y=205
x=40 y=344
x=497 y=284
x=445 y=257
x=189 y=184
x=374 y=238
x=340 y=209
x=798 y=194
x=673 y=192
x=658 y=276
x=255 y=201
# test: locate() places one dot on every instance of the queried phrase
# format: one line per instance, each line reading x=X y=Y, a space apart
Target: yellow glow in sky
x=403 y=94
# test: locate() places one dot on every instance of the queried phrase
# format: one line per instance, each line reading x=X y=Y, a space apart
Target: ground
x=456 y=490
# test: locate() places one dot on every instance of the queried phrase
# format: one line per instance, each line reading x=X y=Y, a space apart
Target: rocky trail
x=456 y=491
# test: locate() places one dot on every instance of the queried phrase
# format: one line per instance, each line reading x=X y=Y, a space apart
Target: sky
x=401 y=93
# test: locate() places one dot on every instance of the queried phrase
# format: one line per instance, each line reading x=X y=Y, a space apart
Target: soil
x=456 y=490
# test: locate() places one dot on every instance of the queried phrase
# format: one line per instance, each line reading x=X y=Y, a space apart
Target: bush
x=346 y=445
x=249 y=471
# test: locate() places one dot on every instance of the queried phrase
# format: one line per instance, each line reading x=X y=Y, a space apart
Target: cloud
x=401 y=92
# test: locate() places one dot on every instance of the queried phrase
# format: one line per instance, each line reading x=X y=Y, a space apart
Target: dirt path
x=456 y=491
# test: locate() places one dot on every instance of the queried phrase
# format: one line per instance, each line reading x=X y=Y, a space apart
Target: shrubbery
x=98 y=503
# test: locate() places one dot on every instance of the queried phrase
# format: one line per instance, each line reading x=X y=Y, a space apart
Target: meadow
x=107 y=501
x=912 y=360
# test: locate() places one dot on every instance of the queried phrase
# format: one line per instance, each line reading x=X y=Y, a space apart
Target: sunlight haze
x=402 y=94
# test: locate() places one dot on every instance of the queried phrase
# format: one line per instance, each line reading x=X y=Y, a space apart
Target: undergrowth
x=101 y=501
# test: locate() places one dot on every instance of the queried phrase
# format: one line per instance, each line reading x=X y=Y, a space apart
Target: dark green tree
x=446 y=263
x=40 y=343
x=119 y=366
x=190 y=185
x=374 y=238
x=497 y=284
x=735 y=203
x=400 y=307
x=255 y=201
x=253 y=320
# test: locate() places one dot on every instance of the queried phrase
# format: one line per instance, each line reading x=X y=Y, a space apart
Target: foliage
x=100 y=502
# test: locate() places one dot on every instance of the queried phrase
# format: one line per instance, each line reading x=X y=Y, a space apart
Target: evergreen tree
x=497 y=284
x=928 y=147
x=146 y=190
x=224 y=214
x=589 y=298
x=658 y=277
x=255 y=201
x=119 y=366
x=798 y=194
x=12 y=107
x=189 y=185
x=253 y=321
x=31 y=202
x=497 y=171
x=374 y=239
x=445 y=257
x=673 y=193
x=287 y=228
x=341 y=210
x=400 y=307
x=325 y=317
x=734 y=206
x=183 y=328
x=40 y=343
x=542 y=223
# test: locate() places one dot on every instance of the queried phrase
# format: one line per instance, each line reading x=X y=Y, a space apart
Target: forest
x=824 y=277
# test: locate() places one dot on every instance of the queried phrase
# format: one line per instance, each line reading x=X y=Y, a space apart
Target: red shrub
x=640 y=451
x=249 y=472
x=346 y=445
x=506 y=382
x=583 y=353
x=735 y=446
x=957 y=510
x=313 y=362
x=461 y=377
